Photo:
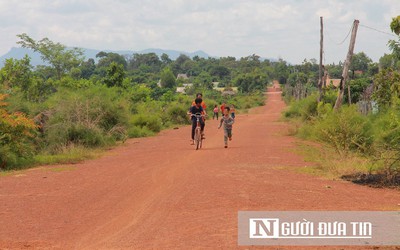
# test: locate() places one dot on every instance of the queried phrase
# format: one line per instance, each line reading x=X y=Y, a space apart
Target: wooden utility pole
x=349 y=93
x=321 y=52
x=345 y=73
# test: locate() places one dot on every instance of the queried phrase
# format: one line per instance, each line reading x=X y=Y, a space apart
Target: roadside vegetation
x=360 y=141
x=71 y=108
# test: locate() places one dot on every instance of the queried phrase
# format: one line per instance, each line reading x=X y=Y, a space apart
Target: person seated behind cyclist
x=203 y=104
x=196 y=109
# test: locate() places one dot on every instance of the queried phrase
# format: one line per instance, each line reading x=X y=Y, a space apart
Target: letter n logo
x=261 y=228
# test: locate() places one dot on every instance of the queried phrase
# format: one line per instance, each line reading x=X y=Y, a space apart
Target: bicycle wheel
x=197 y=137
x=201 y=141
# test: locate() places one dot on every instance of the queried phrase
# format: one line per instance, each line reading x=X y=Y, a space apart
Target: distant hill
x=19 y=53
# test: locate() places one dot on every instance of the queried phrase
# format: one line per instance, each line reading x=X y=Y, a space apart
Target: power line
x=380 y=31
x=347 y=36
x=330 y=38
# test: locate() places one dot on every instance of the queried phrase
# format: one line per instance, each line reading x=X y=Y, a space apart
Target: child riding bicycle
x=197 y=109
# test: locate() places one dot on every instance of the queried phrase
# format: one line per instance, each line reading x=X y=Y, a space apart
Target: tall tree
x=165 y=59
x=106 y=58
x=360 y=61
x=393 y=44
x=178 y=65
x=16 y=73
x=204 y=80
x=221 y=72
x=115 y=75
x=386 y=86
x=387 y=61
x=88 y=68
x=281 y=71
x=149 y=61
x=57 y=55
x=168 y=79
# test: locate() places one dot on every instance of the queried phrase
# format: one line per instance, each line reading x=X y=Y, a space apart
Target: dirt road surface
x=159 y=193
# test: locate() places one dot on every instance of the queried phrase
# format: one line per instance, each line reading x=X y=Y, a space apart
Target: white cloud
x=287 y=28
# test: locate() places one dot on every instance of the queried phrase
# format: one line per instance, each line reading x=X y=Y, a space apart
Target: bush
x=306 y=108
x=136 y=132
x=91 y=117
x=324 y=110
x=16 y=136
x=177 y=114
x=247 y=101
x=82 y=135
x=345 y=130
x=330 y=97
x=151 y=122
x=387 y=142
x=375 y=138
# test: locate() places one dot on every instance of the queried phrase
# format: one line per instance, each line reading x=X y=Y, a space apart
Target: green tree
x=393 y=44
x=228 y=62
x=219 y=71
x=115 y=75
x=106 y=58
x=360 y=61
x=387 y=61
x=335 y=71
x=177 y=66
x=247 y=64
x=149 y=62
x=57 y=55
x=373 y=69
x=357 y=87
x=140 y=93
x=17 y=73
x=88 y=68
x=395 y=25
x=281 y=71
x=250 y=82
x=165 y=59
x=204 y=80
x=386 y=87
x=168 y=79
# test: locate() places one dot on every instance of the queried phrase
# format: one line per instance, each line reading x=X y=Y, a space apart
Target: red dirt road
x=159 y=193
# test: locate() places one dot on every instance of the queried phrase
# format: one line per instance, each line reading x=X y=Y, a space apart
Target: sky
x=286 y=29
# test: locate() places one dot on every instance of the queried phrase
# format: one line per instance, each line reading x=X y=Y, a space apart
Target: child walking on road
x=233 y=111
x=228 y=121
x=215 y=112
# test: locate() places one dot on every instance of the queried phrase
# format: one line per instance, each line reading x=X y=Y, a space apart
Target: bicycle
x=198 y=138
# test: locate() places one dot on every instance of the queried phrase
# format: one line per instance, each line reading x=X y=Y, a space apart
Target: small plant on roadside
x=345 y=130
x=16 y=136
x=387 y=143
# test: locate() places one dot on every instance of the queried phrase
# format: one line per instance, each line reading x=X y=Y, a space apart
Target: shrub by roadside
x=16 y=136
x=374 y=139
